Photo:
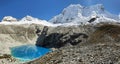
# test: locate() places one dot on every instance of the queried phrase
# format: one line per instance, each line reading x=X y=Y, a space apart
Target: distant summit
x=9 y=19
x=29 y=18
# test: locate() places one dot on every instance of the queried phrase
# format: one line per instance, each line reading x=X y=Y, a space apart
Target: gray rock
x=60 y=36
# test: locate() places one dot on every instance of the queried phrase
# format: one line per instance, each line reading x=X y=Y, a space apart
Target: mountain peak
x=75 y=13
x=98 y=6
x=9 y=19
x=75 y=6
x=28 y=18
x=69 y=11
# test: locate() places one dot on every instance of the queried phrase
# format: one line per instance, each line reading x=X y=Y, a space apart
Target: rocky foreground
x=86 y=44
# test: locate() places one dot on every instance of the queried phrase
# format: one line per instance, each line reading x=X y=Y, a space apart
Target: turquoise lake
x=28 y=52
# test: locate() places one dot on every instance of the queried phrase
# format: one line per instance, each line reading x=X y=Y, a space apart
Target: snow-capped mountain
x=9 y=19
x=75 y=14
x=78 y=14
x=26 y=20
x=29 y=19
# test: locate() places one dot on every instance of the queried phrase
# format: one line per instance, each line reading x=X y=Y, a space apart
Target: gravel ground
x=90 y=54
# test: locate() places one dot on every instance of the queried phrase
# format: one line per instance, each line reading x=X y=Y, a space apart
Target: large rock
x=55 y=37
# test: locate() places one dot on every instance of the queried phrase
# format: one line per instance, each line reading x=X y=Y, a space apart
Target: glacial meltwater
x=28 y=52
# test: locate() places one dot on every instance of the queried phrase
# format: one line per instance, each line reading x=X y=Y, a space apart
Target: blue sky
x=46 y=9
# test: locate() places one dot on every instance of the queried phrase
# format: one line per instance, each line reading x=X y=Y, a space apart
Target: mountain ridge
x=74 y=14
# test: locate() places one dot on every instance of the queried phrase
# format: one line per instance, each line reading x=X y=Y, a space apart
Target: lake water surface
x=28 y=52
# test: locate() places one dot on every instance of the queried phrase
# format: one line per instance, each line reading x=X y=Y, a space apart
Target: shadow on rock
x=57 y=40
